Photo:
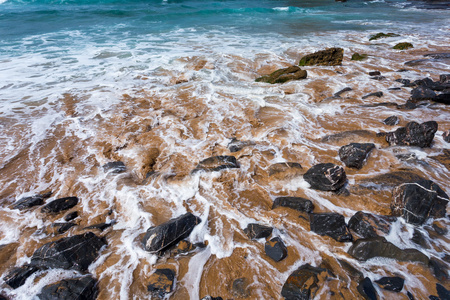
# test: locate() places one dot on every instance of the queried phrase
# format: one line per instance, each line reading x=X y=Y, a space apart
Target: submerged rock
x=326 y=177
x=60 y=205
x=331 y=224
x=368 y=225
x=211 y=298
x=413 y=134
x=284 y=75
x=328 y=57
x=257 y=231
x=163 y=236
x=381 y=35
x=28 y=202
x=161 y=283
x=63 y=227
x=304 y=282
x=354 y=154
x=367 y=290
x=114 y=167
x=357 y=56
x=419 y=239
x=217 y=163
x=375 y=94
x=391 y=121
x=440 y=270
x=297 y=203
x=403 y=46
x=276 y=249
x=421 y=93
x=71 y=289
x=394 y=284
x=70 y=216
x=17 y=276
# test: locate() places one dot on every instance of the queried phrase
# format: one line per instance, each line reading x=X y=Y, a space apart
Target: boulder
x=368 y=225
x=417 y=201
x=364 y=249
x=357 y=56
x=354 y=154
x=382 y=35
x=413 y=134
x=161 y=283
x=297 y=203
x=328 y=57
x=163 y=236
x=394 y=284
x=326 y=177
x=367 y=290
x=421 y=93
x=85 y=288
x=31 y=201
x=403 y=46
x=331 y=224
x=375 y=94
x=275 y=249
x=391 y=121
x=257 y=231
x=217 y=163
x=76 y=252
x=284 y=75
x=236 y=145
x=59 y=205
x=114 y=167
x=304 y=283
x=17 y=276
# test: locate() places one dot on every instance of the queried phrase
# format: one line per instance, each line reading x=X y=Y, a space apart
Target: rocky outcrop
x=354 y=154
x=326 y=177
x=161 y=283
x=367 y=290
x=328 y=57
x=382 y=35
x=403 y=46
x=217 y=163
x=394 y=284
x=71 y=289
x=28 y=202
x=275 y=249
x=257 y=231
x=163 y=236
x=59 y=205
x=368 y=225
x=17 y=276
x=297 y=203
x=304 y=282
x=332 y=225
x=413 y=134
x=284 y=75
x=115 y=167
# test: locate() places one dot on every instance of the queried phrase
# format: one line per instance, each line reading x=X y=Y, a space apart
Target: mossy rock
x=327 y=57
x=382 y=35
x=283 y=75
x=403 y=46
x=357 y=56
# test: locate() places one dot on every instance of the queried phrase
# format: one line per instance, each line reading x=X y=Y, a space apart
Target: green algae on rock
x=381 y=35
x=403 y=46
x=283 y=75
x=327 y=57
x=357 y=56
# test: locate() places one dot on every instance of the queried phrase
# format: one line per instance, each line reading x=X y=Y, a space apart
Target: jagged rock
x=326 y=177
x=417 y=201
x=391 y=121
x=331 y=224
x=394 y=284
x=381 y=35
x=403 y=46
x=421 y=93
x=297 y=203
x=328 y=57
x=344 y=90
x=63 y=227
x=70 y=216
x=17 y=276
x=114 y=167
x=284 y=75
x=163 y=236
x=443 y=293
x=276 y=249
x=367 y=225
x=375 y=94
x=28 y=202
x=367 y=290
x=446 y=136
x=236 y=145
x=304 y=282
x=285 y=170
x=257 y=231
x=354 y=154
x=71 y=289
x=76 y=252
x=59 y=205
x=217 y=163
x=414 y=134
x=357 y=56
x=364 y=249
x=161 y=283
x=240 y=287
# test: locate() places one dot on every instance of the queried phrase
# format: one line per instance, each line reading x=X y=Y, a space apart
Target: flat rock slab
x=304 y=282
x=332 y=225
x=368 y=225
x=327 y=57
x=284 y=75
x=326 y=177
x=353 y=155
x=297 y=203
x=257 y=231
x=71 y=289
x=161 y=283
x=59 y=205
x=394 y=284
x=217 y=163
x=276 y=249
x=413 y=134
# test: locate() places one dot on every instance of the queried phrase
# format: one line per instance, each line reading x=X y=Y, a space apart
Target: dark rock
x=297 y=203
x=84 y=288
x=440 y=270
x=367 y=290
x=409 y=105
x=275 y=249
x=102 y=226
x=63 y=227
x=414 y=134
x=438 y=55
x=375 y=73
x=211 y=298
x=392 y=179
x=446 y=136
x=236 y=145
x=354 y=154
x=328 y=57
x=405 y=82
x=257 y=231
x=331 y=224
x=378 y=78
x=285 y=170
x=431 y=297
x=75 y=252
x=443 y=293
x=344 y=90
x=114 y=167
x=169 y=233
x=217 y=163
x=417 y=201
x=440 y=229
x=410 y=296
x=403 y=46
x=304 y=282
x=240 y=287
x=442 y=98
x=364 y=249
x=70 y=216
x=351 y=271
x=60 y=205
x=402 y=70
x=284 y=75
x=421 y=93
x=326 y=177
x=375 y=94
x=444 y=78
x=391 y=121
x=357 y=56
x=394 y=284
x=395 y=89
x=161 y=283
x=381 y=35
x=367 y=225
x=28 y=202
x=419 y=239
x=17 y=276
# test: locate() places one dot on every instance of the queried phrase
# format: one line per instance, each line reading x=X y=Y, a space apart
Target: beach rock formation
x=354 y=154
x=284 y=75
x=59 y=205
x=328 y=57
x=331 y=224
x=161 y=283
x=413 y=134
x=257 y=231
x=326 y=177
x=71 y=289
x=297 y=203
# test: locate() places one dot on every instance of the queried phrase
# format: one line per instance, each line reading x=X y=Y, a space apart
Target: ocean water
x=162 y=85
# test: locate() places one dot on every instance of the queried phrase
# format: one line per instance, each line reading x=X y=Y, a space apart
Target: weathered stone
x=60 y=205
x=421 y=93
x=276 y=249
x=381 y=35
x=326 y=177
x=346 y=137
x=392 y=179
x=257 y=231
x=284 y=75
x=403 y=46
x=17 y=276
x=240 y=287
x=414 y=134
x=114 y=167
x=354 y=154
x=163 y=236
x=391 y=121
x=367 y=290
x=217 y=163
x=394 y=284
x=28 y=202
x=285 y=170
x=76 y=252
x=70 y=216
x=331 y=224
x=297 y=203
x=304 y=282
x=328 y=57
x=375 y=94
x=236 y=145
x=367 y=225
x=364 y=249
x=344 y=90
x=71 y=289
x=161 y=283
x=357 y=56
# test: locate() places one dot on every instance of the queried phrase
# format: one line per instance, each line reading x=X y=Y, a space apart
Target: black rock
x=284 y=75
x=367 y=290
x=28 y=202
x=391 y=121
x=440 y=270
x=421 y=93
x=410 y=296
x=405 y=82
x=303 y=283
x=375 y=73
x=419 y=239
x=394 y=284
x=161 y=283
x=70 y=216
x=257 y=231
x=76 y=252
x=331 y=224
x=297 y=203
x=376 y=94
x=236 y=145
x=443 y=293
x=211 y=298
x=101 y=226
x=417 y=201
x=408 y=105
x=17 y=276
x=339 y=93
x=443 y=98
x=354 y=154
x=444 y=78
x=446 y=136
x=378 y=77
x=114 y=167
x=59 y=205
x=163 y=236
x=275 y=249
x=63 y=227
x=367 y=225
x=364 y=249
x=414 y=134
x=82 y=288
x=326 y=177
x=217 y=163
